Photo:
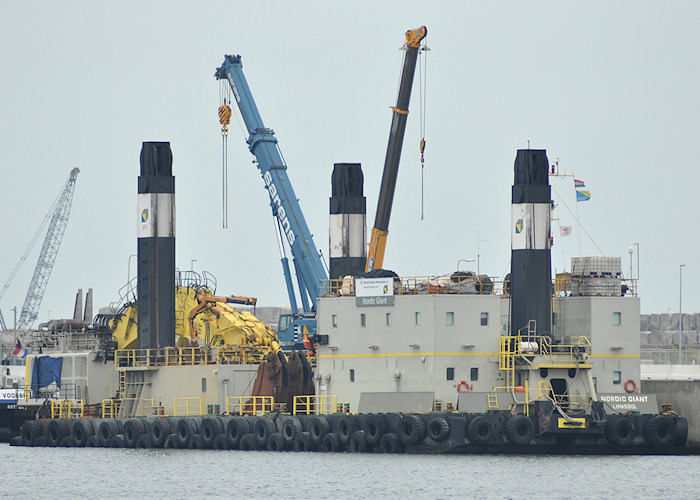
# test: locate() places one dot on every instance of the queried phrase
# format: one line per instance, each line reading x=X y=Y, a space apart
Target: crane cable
x=422 y=75
x=224 y=120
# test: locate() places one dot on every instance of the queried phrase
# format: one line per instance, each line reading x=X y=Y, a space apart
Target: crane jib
x=281 y=212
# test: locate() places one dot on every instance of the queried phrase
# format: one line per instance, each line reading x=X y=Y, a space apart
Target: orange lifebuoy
x=462 y=383
x=630 y=386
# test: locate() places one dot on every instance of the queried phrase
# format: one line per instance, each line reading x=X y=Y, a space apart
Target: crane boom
x=47 y=257
x=285 y=206
x=377 y=242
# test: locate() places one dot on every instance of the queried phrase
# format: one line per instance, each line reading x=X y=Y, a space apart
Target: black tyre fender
x=291 y=428
x=196 y=442
x=41 y=441
x=107 y=430
x=519 y=430
x=358 y=442
x=249 y=442
x=411 y=429
x=236 y=428
x=144 y=441
x=681 y=434
x=660 y=431
x=160 y=429
x=347 y=424
x=276 y=442
x=66 y=442
x=619 y=430
x=210 y=428
x=171 y=442
x=93 y=442
x=82 y=430
x=391 y=443
x=303 y=442
x=17 y=441
x=438 y=429
x=375 y=427
x=221 y=442
x=30 y=431
x=318 y=428
x=481 y=430
x=262 y=428
x=331 y=443
x=184 y=430
x=117 y=441
x=56 y=431
x=133 y=428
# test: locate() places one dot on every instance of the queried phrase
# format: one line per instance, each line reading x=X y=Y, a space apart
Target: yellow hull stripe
x=405 y=354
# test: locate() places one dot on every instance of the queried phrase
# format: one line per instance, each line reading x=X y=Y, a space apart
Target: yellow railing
x=67 y=408
x=187 y=406
x=187 y=356
x=110 y=408
x=249 y=405
x=151 y=408
x=315 y=405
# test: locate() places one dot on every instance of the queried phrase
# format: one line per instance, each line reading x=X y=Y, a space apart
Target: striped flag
x=583 y=195
x=579 y=184
x=19 y=351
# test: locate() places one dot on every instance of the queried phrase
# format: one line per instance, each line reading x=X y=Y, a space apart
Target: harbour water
x=157 y=473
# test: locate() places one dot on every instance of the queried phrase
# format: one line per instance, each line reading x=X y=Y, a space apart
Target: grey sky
x=608 y=88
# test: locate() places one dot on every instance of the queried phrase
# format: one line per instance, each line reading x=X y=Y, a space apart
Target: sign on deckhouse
x=374 y=292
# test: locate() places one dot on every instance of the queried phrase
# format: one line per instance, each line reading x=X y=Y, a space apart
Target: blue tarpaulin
x=46 y=370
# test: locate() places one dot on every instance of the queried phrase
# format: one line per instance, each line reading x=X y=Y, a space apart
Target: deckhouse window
x=484 y=318
x=388 y=319
x=617 y=319
x=449 y=319
x=617 y=377
x=417 y=319
x=334 y=320
x=363 y=320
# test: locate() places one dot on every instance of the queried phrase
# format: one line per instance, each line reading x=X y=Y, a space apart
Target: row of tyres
x=390 y=433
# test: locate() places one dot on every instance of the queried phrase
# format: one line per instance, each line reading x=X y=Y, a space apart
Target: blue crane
x=291 y=225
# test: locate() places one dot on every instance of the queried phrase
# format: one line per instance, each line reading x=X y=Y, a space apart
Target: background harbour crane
x=59 y=212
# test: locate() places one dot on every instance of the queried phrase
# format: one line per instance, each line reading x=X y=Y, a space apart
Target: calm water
x=136 y=473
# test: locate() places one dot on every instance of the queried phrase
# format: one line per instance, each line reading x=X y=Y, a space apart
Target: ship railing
x=423 y=285
x=594 y=284
x=573 y=351
x=187 y=407
x=186 y=356
x=151 y=408
x=110 y=408
x=322 y=404
x=563 y=285
x=250 y=405
x=68 y=408
x=524 y=395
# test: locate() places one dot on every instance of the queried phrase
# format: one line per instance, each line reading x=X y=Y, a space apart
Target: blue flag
x=583 y=195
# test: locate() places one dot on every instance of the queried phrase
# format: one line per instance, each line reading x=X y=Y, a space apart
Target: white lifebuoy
x=462 y=383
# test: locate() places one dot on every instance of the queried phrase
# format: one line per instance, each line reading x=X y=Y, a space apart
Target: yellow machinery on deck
x=202 y=319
